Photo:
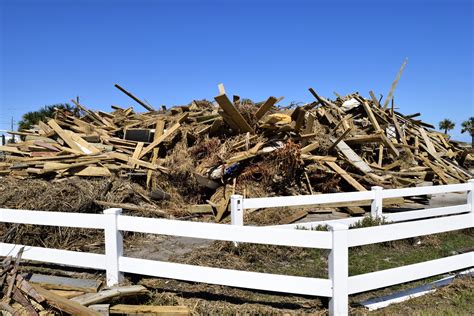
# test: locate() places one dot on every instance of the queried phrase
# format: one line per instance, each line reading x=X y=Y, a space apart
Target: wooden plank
x=318 y=158
x=352 y=156
x=67 y=294
x=200 y=209
x=380 y=160
x=103 y=309
x=64 y=283
x=339 y=139
x=221 y=88
x=265 y=107
x=146 y=106
x=159 y=130
x=298 y=116
x=93 y=116
x=54 y=166
x=67 y=137
x=374 y=99
x=309 y=148
x=64 y=304
x=353 y=182
x=355 y=210
x=428 y=142
x=23 y=301
x=141 y=163
x=417 y=145
x=93 y=171
x=45 y=130
x=149 y=309
x=364 y=139
x=394 y=84
x=84 y=145
x=94 y=298
x=235 y=115
x=322 y=100
x=160 y=139
x=136 y=153
x=132 y=207
x=299 y=214
x=13 y=150
x=390 y=146
x=370 y=115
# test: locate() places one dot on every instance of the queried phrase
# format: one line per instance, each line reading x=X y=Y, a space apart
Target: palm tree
x=468 y=126
x=446 y=125
x=32 y=118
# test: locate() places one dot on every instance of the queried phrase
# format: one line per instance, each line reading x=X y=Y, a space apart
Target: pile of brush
x=193 y=157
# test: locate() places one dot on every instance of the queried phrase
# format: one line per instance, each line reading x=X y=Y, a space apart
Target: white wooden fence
x=338 y=286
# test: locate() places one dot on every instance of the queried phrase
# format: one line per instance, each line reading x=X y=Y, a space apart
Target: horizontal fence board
x=384 y=278
x=242 y=279
x=250 y=234
x=391 y=193
x=377 y=234
x=425 y=213
x=394 y=217
x=61 y=219
x=280 y=201
x=64 y=257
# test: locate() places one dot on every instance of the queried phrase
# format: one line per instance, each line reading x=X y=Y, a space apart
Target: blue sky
x=171 y=52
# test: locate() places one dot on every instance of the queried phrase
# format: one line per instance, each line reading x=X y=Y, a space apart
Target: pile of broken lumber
x=204 y=150
x=37 y=294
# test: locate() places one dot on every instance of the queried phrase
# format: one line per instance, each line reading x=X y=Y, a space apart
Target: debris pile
x=201 y=153
x=38 y=294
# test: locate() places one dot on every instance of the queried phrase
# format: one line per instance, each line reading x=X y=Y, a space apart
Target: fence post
x=236 y=210
x=470 y=195
x=113 y=246
x=338 y=266
x=377 y=204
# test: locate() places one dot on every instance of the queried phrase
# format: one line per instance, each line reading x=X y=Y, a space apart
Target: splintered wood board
x=352 y=156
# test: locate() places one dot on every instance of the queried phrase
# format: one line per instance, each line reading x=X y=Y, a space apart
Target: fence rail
x=338 y=239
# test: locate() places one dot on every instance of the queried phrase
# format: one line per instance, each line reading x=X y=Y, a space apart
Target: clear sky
x=171 y=52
